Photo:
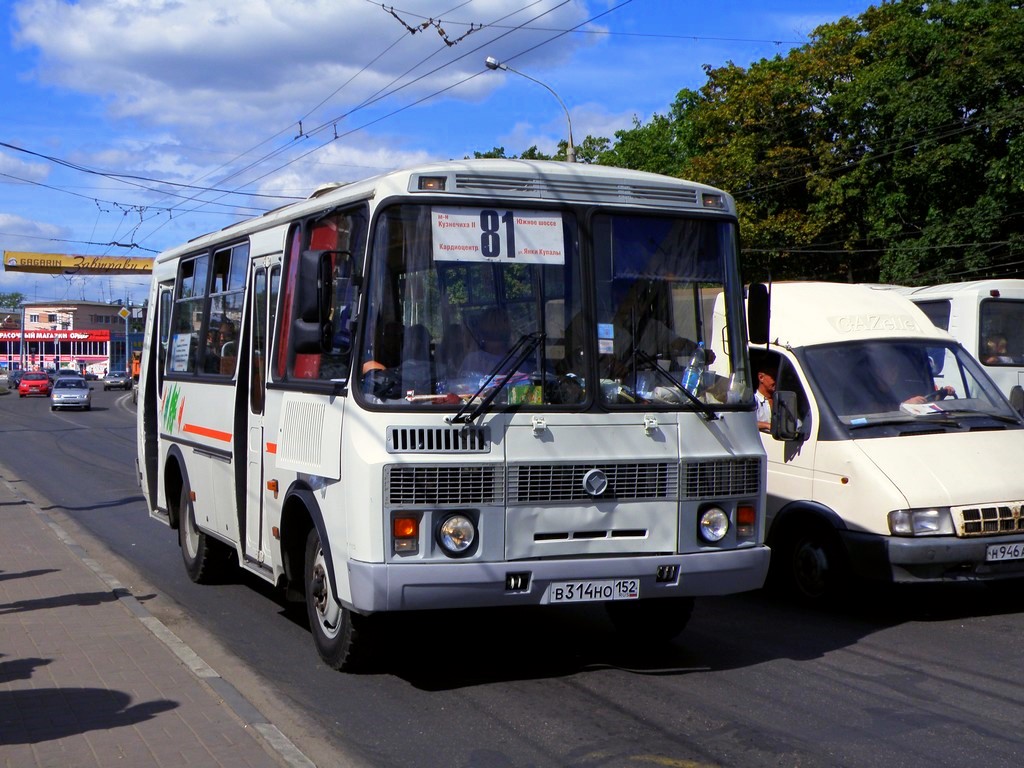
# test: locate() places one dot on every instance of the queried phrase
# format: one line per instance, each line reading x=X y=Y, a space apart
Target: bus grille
x=726 y=477
x=464 y=439
x=566 y=187
x=417 y=484
x=991 y=520
x=540 y=483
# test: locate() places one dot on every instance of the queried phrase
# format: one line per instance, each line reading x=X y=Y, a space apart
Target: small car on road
x=71 y=392
x=34 y=383
x=117 y=380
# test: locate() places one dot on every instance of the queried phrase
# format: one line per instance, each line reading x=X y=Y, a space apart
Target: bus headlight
x=714 y=524
x=456 y=534
x=936 y=521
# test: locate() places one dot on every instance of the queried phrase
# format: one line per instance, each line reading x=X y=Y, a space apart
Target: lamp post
x=493 y=63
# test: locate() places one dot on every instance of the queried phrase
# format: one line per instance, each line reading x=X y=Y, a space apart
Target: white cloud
x=263 y=62
x=22 y=169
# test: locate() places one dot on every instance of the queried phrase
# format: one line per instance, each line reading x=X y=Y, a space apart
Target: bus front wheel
x=337 y=631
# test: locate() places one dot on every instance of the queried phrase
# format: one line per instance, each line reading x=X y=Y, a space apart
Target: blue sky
x=148 y=122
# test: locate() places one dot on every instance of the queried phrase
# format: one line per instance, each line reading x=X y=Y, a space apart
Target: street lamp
x=493 y=63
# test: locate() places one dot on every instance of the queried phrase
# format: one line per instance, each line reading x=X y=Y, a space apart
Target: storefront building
x=87 y=336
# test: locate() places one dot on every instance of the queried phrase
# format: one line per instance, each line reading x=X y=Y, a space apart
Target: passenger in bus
x=227 y=337
x=996 y=350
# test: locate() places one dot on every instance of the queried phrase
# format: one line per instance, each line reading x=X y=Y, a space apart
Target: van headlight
x=935 y=521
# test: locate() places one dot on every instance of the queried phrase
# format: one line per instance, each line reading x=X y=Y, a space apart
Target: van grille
x=539 y=483
x=437 y=440
x=418 y=484
x=726 y=477
x=990 y=520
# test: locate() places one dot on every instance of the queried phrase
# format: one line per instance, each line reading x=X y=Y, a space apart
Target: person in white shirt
x=766 y=369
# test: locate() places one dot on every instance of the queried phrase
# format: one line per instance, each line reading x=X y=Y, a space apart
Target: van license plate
x=588 y=591
x=996 y=552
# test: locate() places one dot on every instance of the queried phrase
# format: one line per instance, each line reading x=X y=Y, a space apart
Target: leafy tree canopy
x=888 y=148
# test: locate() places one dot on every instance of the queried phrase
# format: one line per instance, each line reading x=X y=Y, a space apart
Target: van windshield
x=875 y=381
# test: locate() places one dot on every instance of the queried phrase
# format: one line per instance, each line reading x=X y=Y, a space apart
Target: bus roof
x=809 y=313
x=529 y=180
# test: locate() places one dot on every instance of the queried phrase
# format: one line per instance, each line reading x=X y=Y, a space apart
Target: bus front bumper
x=417 y=586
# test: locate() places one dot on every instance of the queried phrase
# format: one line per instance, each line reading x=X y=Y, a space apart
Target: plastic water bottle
x=694 y=372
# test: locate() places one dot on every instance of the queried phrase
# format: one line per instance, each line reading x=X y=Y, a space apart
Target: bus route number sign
x=593 y=590
x=498 y=235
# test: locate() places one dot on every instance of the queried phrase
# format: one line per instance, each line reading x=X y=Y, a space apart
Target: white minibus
x=891 y=453
x=461 y=385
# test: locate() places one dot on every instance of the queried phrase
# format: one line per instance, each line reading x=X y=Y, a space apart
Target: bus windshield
x=453 y=294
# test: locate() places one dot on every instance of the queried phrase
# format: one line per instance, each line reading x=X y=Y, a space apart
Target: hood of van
x=954 y=468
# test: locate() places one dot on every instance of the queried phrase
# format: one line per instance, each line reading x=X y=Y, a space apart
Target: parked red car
x=34 y=383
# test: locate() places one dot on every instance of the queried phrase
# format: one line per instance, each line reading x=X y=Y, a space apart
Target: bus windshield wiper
x=504 y=369
x=704 y=408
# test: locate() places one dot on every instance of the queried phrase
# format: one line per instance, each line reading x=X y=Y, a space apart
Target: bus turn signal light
x=746 y=516
x=406 y=534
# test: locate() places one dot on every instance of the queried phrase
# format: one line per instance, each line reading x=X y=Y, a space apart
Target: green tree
x=11 y=300
x=890 y=147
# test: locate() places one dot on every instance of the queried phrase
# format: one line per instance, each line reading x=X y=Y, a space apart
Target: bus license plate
x=996 y=552
x=587 y=591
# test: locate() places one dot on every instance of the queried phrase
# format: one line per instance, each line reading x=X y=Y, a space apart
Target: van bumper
x=417 y=586
x=933 y=558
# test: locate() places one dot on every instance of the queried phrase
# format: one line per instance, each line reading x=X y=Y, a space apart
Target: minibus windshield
x=884 y=381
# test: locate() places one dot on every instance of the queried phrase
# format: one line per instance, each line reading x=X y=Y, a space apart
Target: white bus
x=987 y=317
x=460 y=385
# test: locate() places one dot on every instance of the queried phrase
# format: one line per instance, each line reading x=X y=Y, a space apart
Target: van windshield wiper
x=704 y=408
x=863 y=423
x=504 y=369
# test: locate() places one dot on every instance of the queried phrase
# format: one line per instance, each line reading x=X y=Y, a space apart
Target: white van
x=891 y=454
x=987 y=317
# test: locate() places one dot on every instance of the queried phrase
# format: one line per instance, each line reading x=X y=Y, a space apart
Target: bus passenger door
x=261 y=304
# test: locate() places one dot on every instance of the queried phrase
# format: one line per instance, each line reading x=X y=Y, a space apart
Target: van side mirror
x=1017 y=398
x=758 y=313
x=311 y=329
x=785 y=425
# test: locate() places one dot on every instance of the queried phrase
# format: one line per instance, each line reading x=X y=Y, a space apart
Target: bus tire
x=338 y=632
x=656 y=620
x=197 y=549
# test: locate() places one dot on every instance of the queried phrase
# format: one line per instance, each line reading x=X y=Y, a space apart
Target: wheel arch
x=301 y=512
x=175 y=478
x=801 y=513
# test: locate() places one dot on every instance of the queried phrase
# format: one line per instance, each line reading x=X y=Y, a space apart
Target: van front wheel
x=814 y=564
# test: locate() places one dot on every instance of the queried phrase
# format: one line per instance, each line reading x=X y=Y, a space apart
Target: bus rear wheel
x=338 y=633
x=198 y=551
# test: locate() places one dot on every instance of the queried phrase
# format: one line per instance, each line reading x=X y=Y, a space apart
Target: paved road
x=911 y=677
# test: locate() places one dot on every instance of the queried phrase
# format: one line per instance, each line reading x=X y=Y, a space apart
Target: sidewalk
x=89 y=678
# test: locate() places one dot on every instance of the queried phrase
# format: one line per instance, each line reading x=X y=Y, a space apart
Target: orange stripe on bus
x=214 y=434
x=271 y=447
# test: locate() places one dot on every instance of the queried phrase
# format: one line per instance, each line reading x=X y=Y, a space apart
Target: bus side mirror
x=785 y=425
x=311 y=329
x=758 y=313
